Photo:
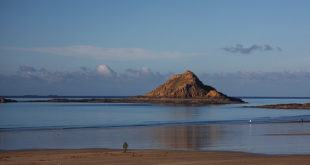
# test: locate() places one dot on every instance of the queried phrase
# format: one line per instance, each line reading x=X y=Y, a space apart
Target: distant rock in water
x=187 y=85
x=283 y=106
x=4 y=100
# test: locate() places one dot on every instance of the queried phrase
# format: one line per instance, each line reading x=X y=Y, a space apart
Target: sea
x=231 y=127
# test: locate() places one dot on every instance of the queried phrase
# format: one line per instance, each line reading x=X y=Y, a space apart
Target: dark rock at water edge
x=283 y=106
x=4 y=100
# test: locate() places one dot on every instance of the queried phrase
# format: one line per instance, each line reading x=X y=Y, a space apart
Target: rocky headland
x=182 y=89
x=283 y=106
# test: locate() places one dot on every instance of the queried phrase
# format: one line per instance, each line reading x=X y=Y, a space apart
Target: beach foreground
x=106 y=156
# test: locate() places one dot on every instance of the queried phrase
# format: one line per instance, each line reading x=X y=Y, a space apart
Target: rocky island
x=182 y=89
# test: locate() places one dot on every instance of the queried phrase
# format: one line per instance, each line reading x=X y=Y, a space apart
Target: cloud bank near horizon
x=103 y=80
x=241 y=49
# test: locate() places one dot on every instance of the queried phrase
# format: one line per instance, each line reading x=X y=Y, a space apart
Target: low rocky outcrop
x=4 y=100
x=283 y=106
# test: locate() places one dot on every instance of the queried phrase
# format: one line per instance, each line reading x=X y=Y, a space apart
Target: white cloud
x=105 y=70
x=145 y=69
x=105 y=53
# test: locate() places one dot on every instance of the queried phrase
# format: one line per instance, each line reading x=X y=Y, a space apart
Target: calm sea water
x=145 y=126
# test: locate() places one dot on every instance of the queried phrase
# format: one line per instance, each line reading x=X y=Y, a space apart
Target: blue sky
x=45 y=42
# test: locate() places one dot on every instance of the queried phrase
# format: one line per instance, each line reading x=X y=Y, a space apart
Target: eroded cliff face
x=186 y=85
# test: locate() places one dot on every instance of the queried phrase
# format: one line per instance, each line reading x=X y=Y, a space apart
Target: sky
x=119 y=47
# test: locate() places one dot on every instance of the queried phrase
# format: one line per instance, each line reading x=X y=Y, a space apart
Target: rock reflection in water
x=187 y=137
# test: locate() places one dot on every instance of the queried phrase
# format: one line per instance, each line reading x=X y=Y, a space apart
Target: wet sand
x=105 y=156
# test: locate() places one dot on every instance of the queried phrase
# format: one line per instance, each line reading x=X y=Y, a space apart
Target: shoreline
x=111 y=156
x=119 y=150
x=153 y=100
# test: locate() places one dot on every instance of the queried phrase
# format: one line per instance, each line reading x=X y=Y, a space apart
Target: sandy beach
x=105 y=156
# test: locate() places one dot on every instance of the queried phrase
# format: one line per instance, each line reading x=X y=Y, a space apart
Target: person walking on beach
x=125 y=146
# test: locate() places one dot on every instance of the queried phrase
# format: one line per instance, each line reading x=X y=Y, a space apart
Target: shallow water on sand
x=143 y=126
x=267 y=138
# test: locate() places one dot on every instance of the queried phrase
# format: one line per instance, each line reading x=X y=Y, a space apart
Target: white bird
x=250 y=121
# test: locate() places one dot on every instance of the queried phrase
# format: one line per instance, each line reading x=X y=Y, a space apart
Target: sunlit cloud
x=105 y=70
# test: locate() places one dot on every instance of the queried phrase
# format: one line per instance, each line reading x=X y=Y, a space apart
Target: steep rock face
x=186 y=85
